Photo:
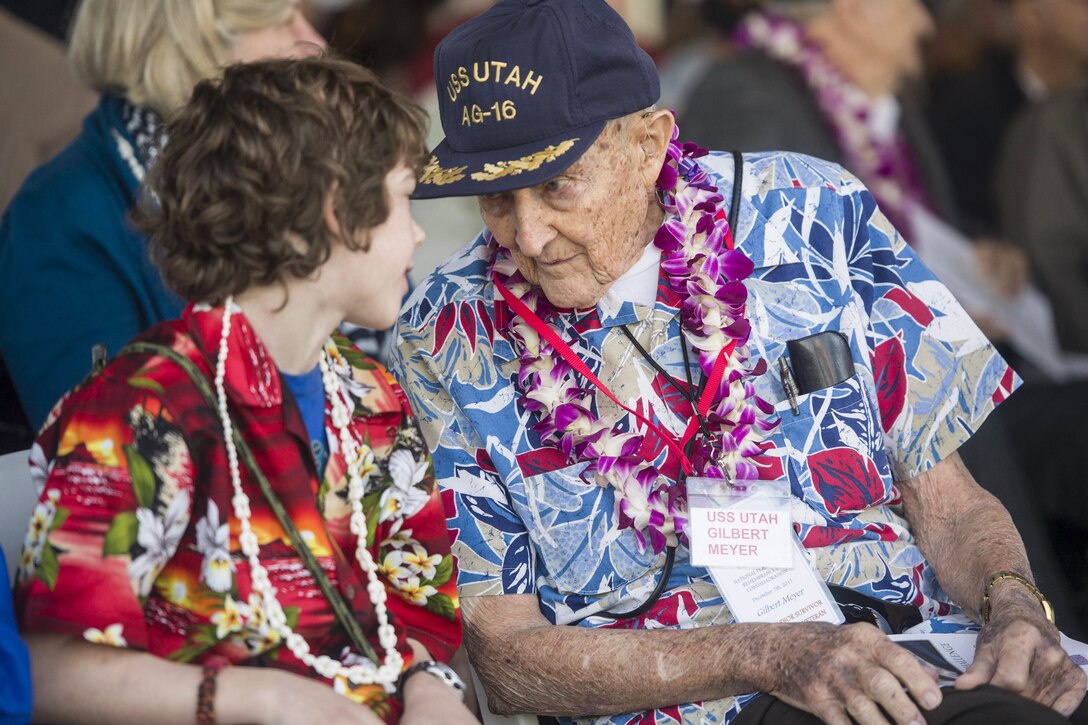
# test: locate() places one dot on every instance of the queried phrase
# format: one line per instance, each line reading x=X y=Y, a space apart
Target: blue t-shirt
x=15 y=690
x=309 y=393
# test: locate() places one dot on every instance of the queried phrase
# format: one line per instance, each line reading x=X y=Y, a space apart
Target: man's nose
x=532 y=224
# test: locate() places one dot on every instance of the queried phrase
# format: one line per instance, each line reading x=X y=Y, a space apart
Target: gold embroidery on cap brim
x=435 y=174
x=531 y=162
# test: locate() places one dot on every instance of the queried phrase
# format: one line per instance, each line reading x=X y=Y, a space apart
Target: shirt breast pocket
x=837 y=462
x=572 y=525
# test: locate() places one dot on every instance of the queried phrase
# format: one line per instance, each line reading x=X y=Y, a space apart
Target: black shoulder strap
x=342 y=610
x=738 y=182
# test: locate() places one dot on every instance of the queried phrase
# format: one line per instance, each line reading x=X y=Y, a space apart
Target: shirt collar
x=1031 y=83
x=884 y=114
x=639 y=283
x=251 y=378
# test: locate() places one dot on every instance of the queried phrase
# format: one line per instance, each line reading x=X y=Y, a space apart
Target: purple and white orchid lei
x=707 y=274
x=885 y=165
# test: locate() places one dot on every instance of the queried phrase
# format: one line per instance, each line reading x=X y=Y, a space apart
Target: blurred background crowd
x=968 y=119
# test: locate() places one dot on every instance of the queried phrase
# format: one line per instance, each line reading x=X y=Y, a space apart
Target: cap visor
x=453 y=173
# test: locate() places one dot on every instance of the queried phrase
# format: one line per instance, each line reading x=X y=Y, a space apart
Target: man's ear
x=653 y=132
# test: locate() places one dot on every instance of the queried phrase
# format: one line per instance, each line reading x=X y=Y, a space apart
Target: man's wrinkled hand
x=1021 y=651
x=852 y=671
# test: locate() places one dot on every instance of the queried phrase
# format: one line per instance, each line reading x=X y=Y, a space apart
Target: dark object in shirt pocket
x=820 y=361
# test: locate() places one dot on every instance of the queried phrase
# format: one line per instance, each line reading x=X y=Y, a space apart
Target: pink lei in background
x=885 y=165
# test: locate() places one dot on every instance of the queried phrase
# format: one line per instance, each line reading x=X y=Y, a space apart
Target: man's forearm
x=963 y=530
x=586 y=671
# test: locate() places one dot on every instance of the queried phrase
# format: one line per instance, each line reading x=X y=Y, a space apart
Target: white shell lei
x=355 y=455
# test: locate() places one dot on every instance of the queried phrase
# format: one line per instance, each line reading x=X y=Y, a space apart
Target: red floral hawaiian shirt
x=134 y=543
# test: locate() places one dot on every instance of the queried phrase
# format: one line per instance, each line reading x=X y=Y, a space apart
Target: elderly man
x=639 y=324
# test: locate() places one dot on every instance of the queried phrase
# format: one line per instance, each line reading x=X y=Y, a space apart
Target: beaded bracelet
x=205 y=694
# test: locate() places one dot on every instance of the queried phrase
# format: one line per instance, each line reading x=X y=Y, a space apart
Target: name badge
x=739 y=536
x=744 y=536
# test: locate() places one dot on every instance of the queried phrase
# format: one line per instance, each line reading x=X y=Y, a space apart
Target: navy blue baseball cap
x=526 y=87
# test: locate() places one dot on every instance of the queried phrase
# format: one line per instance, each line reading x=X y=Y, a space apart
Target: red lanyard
x=572 y=359
x=709 y=391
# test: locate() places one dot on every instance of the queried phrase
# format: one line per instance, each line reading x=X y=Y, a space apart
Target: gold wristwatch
x=1048 y=610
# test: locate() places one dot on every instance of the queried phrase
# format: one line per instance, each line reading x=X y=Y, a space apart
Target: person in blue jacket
x=74 y=272
x=16 y=698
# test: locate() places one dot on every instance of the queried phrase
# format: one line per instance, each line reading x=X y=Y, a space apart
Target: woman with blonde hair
x=237 y=487
x=74 y=273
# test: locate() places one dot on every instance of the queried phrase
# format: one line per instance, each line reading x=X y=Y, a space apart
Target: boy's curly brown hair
x=236 y=197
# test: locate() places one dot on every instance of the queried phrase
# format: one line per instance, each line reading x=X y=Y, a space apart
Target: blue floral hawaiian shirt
x=826 y=258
